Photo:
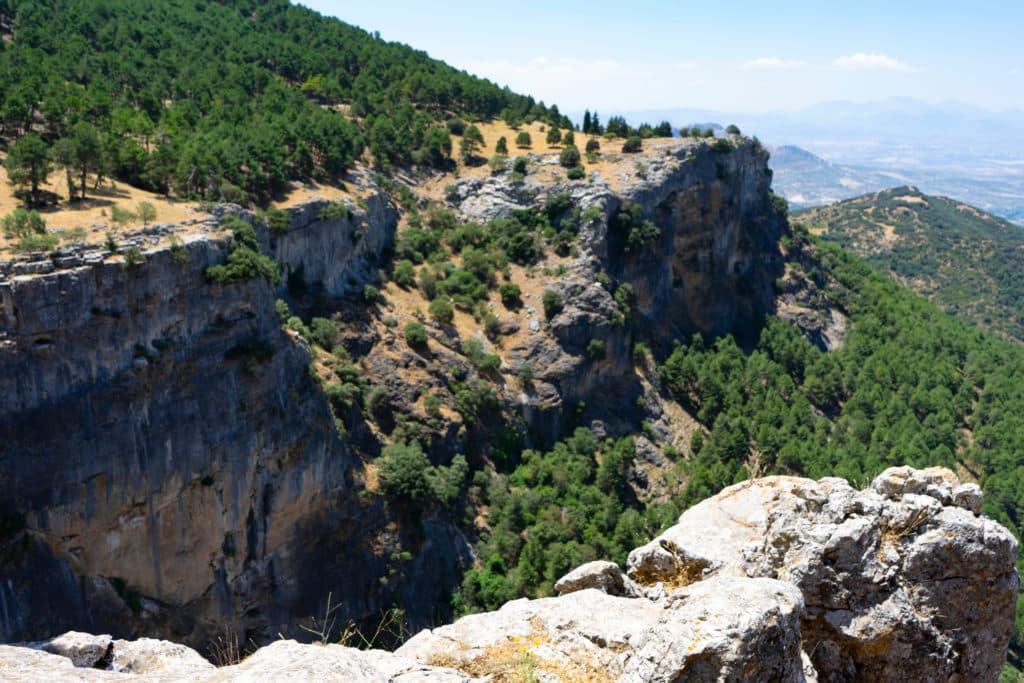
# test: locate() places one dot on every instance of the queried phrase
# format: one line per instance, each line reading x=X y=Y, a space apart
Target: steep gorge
x=171 y=467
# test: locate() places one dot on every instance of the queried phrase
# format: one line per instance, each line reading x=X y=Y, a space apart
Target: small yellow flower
x=524 y=648
x=536 y=643
x=515 y=639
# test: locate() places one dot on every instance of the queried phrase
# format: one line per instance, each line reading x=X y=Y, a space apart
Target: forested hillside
x=220 y=100
x=910 y=385
x=970 y=263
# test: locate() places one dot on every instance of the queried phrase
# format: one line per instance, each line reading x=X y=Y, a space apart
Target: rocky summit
x=774 y=579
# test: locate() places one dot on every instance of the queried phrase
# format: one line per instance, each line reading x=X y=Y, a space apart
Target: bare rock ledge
x=775 y=579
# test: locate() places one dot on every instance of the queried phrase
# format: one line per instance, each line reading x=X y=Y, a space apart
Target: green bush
x=441 y=311
x=415 y=335
x=501 y=147
x=243 y=264
x=593 y=145
x=510 y=294
x=722 y=146
x=732 y=129
x=324 y=333
x=554 y=136
x=552 y=302
x=405 y=274
x=30 y=243
x=632 y=145
x=595 y=349
x=519 y=165
x=576 y=173
x=403 y=472
x=333 y=211
x=569 y=156
x=523 y=140
x=23 y=223
x=370 y=294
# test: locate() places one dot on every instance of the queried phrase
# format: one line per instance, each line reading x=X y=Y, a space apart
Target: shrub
x=640 y=352
x=552 y=302
x=178 y=252
x=456 y=126
x=403 y=472
x=722 y=146
x=519 y=165
x=632 y=145
x=492 y=326
x=569 y=138
x=432 y=405
x=595 y=349
x=415 y=335
x=333 y=211
x=22 y=223
x=278 y=221
x=244 y=263
x=121 y=216
x=593 y=145
x=502 y=146
x=554 y=136
x=324 y=333
x=405 y=274
x=441 y=311
x=576 y=173
x=370 y=294
x=37 y=243
x=569 y=157
x=233 y=194
x=524 y=140
x=510 y=293
x=146 y=212
x=133 y=257
x=732 y=129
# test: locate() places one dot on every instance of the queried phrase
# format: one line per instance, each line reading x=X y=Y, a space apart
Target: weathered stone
x=728 y=629
x=151 y=656
x=899 y=584
x=600 y=575
x=83 y=649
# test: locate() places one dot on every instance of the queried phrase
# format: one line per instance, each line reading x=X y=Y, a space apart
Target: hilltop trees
x=472 y=140
x=28 y=165
x=198 y=98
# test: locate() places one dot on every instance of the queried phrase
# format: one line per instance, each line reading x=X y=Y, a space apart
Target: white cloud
x=772 y=63
x=685 y=66
x=863 y=60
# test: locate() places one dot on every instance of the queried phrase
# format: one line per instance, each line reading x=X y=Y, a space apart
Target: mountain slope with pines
x=970 y=263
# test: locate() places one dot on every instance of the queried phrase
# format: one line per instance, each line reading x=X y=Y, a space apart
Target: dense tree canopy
x=195 y=97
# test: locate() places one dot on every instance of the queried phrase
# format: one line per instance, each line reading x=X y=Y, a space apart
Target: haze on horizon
x=745 y=57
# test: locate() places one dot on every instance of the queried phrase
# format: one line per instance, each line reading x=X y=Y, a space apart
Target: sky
x=739 y=56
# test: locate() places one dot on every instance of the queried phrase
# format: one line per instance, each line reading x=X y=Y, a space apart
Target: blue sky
x=741 y=56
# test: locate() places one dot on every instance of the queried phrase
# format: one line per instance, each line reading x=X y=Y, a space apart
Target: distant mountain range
x=952 y=149
x=967 y=261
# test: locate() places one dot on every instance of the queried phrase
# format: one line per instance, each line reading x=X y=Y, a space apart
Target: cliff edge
x=781 y=579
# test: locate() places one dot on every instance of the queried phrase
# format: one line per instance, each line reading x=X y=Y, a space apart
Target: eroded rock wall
x=168 y=465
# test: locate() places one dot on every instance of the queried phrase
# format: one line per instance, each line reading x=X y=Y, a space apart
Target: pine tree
x=586 y=121
x=28 y=164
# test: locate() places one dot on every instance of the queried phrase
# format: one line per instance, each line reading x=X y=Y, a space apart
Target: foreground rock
x=777 y=579
x=902 y=581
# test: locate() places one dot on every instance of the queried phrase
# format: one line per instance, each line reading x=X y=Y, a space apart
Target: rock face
x=175 y=468
x=711 y=269
x=902 y=581
x=777 y=579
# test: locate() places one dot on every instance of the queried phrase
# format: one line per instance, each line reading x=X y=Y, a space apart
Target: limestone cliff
x=168 y=464
x=777 y=579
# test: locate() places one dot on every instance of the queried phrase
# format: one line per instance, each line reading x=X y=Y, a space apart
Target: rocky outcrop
x=777 y=579
x=711 y=268
x=903 y=581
